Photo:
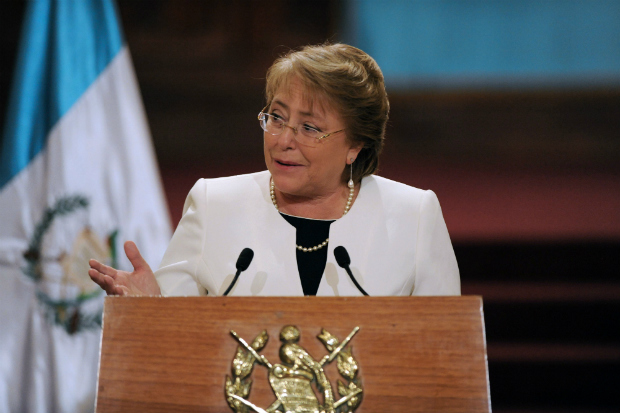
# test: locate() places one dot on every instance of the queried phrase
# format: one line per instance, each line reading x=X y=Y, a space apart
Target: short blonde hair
x=352 y=83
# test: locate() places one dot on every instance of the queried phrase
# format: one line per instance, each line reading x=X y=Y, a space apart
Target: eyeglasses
x=304 y=134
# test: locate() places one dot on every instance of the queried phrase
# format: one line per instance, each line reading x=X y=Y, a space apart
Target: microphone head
x=245 y=258
x=342 y=256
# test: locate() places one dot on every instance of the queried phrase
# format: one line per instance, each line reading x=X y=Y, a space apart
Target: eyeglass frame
x=285 y=124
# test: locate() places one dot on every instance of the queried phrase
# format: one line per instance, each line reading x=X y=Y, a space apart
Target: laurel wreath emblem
x=67 y=313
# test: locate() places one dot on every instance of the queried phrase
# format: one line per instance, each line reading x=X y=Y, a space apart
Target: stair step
x=525 y=292
x=556 y=352
x=593 y=322
x=575 y=261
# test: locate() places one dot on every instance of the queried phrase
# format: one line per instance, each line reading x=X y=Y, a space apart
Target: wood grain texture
x=416 y=354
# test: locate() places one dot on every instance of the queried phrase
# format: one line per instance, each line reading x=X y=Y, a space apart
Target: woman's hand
x=115 y=282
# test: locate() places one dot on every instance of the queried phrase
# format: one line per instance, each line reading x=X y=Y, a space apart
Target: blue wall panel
x=418 y=42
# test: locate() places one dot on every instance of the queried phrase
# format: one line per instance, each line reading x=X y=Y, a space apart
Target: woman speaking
x=323 y=130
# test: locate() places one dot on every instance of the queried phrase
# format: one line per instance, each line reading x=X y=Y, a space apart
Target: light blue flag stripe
x=65 y=45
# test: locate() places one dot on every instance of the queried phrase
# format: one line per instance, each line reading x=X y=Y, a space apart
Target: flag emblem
x=63 y=286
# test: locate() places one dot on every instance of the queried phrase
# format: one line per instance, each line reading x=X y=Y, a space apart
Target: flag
x=78 y=177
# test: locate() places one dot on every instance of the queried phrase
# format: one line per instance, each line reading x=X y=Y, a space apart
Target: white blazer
x=395 y=235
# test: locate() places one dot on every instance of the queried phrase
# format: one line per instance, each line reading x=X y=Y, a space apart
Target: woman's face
x=300 y=170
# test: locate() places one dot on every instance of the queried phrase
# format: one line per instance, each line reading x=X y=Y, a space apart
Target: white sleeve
x=177 y=274
x=436 y=270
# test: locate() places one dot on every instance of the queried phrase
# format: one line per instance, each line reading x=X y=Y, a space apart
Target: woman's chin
x=287 y=185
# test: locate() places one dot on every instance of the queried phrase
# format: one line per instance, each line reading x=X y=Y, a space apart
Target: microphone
x=243 y=262
x=343 y=260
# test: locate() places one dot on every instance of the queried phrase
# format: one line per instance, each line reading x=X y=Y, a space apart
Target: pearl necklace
x=351 y=185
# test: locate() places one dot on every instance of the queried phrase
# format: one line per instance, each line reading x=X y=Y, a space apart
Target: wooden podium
x=416 y=354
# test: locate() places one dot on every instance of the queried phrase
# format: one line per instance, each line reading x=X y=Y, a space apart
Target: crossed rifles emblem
x=292 y=380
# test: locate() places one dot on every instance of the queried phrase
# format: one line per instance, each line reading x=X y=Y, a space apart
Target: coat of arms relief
x=299 y=381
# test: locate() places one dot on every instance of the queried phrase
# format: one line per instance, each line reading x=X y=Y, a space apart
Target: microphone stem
x=232 y=283
x=359 y=287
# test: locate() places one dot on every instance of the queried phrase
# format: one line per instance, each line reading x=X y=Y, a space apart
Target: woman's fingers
x=115 y=282
x=97 y=277
x=105 y=282
x=134 y=256
x=102 y=268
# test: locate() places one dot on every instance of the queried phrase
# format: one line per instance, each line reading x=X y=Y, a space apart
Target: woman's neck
x=329 y=206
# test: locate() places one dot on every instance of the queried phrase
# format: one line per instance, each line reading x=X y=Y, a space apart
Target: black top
x=311 y=265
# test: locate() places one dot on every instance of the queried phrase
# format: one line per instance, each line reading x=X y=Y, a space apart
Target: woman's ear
x=352 y=154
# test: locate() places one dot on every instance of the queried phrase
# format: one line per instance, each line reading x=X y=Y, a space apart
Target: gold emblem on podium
x=293 y=381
